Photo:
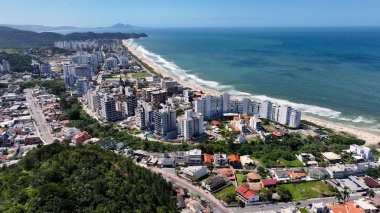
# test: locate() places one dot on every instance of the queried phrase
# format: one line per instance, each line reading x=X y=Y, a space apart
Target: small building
x=256 y=187
x=281 y=175
x=194 y=157
x=245 y=160
x=81 y=137
x=331 y=157
x=220 y=160
x=307 y=159
x=253 y=177
x=344 y=208
x=227 y=172
x=216 y=183
x=362 y=151
x=370 y=182
x=207 y=158
x=342 y=170
x=269 y=183
x=234 y=161
x=246 y=195
x=366 y=205
x=297 y=175
x=195 y=172
x=319 y=208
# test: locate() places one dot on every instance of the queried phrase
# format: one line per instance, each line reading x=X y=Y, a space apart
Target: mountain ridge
x=45 y=28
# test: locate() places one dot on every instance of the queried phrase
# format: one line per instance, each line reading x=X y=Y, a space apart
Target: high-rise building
x=110 y=63
x=73 y=72
x=108 y=108
x=209 y=106
x=130 y=105
x=81 y=86
x=191 y=124
x=265 y=109
x=295 y=119
x=165 y=122
x=6 y=66
x=144 y=115
x=283 y=115
x=226 y=102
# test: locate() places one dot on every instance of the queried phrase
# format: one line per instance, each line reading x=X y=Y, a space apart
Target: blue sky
x=192 y=13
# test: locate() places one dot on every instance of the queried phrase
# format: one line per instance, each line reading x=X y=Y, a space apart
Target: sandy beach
x=372 y=138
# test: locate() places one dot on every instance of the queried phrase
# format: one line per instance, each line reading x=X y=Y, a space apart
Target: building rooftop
x=331 y=156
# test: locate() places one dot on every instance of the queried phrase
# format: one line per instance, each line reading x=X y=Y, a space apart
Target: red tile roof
x=269 y=182
x=208 y=158
x=370 y=182
x=233 y=158
x=245 y=192
x=348 y=207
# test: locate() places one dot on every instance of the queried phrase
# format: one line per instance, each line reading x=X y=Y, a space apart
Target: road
x=279 y=206
x=216 y=204
x=35 y=110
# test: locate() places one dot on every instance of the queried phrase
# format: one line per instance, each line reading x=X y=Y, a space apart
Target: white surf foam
x=176 y=71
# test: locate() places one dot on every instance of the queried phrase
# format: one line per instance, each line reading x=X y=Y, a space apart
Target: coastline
x=372 y=138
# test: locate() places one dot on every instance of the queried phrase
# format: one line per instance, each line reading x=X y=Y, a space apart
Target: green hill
x=63 y=178
x=14 y=38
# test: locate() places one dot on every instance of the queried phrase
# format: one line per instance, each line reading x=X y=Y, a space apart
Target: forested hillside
x=63 y=178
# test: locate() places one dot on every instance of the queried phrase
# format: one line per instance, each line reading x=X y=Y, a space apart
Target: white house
x=362 y=151
x=246 y=195
x=195 y=172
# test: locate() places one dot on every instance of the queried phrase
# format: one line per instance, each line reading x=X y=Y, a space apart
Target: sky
x=192 y=13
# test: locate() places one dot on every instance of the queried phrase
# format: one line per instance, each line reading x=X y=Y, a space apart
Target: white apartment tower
x=265 y=109
x=191 y=124
x=165 y=121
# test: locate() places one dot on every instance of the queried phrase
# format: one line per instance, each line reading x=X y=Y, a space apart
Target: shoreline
x=372 y=137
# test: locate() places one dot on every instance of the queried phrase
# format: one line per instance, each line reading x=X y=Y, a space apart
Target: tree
x=346 y=194
x=284 y=194
x=339 y=196
x=210 y=166
x=370 y=193
x=266 y=194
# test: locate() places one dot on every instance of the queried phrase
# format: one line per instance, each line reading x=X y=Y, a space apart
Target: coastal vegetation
x=64 y=178
x=14 y=38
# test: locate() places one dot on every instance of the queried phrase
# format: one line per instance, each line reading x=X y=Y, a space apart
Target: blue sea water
x=330 y=73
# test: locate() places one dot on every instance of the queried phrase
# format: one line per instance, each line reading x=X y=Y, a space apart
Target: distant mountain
x=38 y=28
x=43 y=28
x=14 y=38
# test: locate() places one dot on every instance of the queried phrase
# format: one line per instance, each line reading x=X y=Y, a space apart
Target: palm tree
x=346 y=194
x=371 y=193
x=339 y=196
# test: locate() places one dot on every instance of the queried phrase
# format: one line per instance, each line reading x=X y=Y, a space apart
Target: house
x=195 y=172
x=362 y=151
x=342 y=170
x=245 y=160
x=269 y=183
x=220 y=160
x=216 y=183
x=81 y=137
x=348 y=207
x=194 y=206
x=317 y=173
x=370 y=182
x=181 y=158
x=253 y=177
x=319 y=208
x=246 y=195
x=307 y=159
x=256 y=187
x=366 y=205
x=234 y=161
x=227 y=172
x=297 y=175
x=331 y=157
x=166 y=162
x=281 y=175
x=207 y=158
x=194 y=157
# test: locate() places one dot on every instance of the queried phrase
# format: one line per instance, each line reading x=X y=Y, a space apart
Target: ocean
x=328 y=73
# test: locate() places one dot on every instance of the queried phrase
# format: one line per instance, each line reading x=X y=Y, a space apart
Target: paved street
x=216 y=204
x=39 y=119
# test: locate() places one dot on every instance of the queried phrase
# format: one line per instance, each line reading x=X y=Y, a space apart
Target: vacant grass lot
x=240 y=178
x=222 y=194
x=307 y=190
x=140 y=75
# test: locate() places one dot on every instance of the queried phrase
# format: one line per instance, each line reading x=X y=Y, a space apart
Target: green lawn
x=240 y=178
x=307 y=190
x=222 y=194
x=303 y=210
x=293 y=163
x=140 y=75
